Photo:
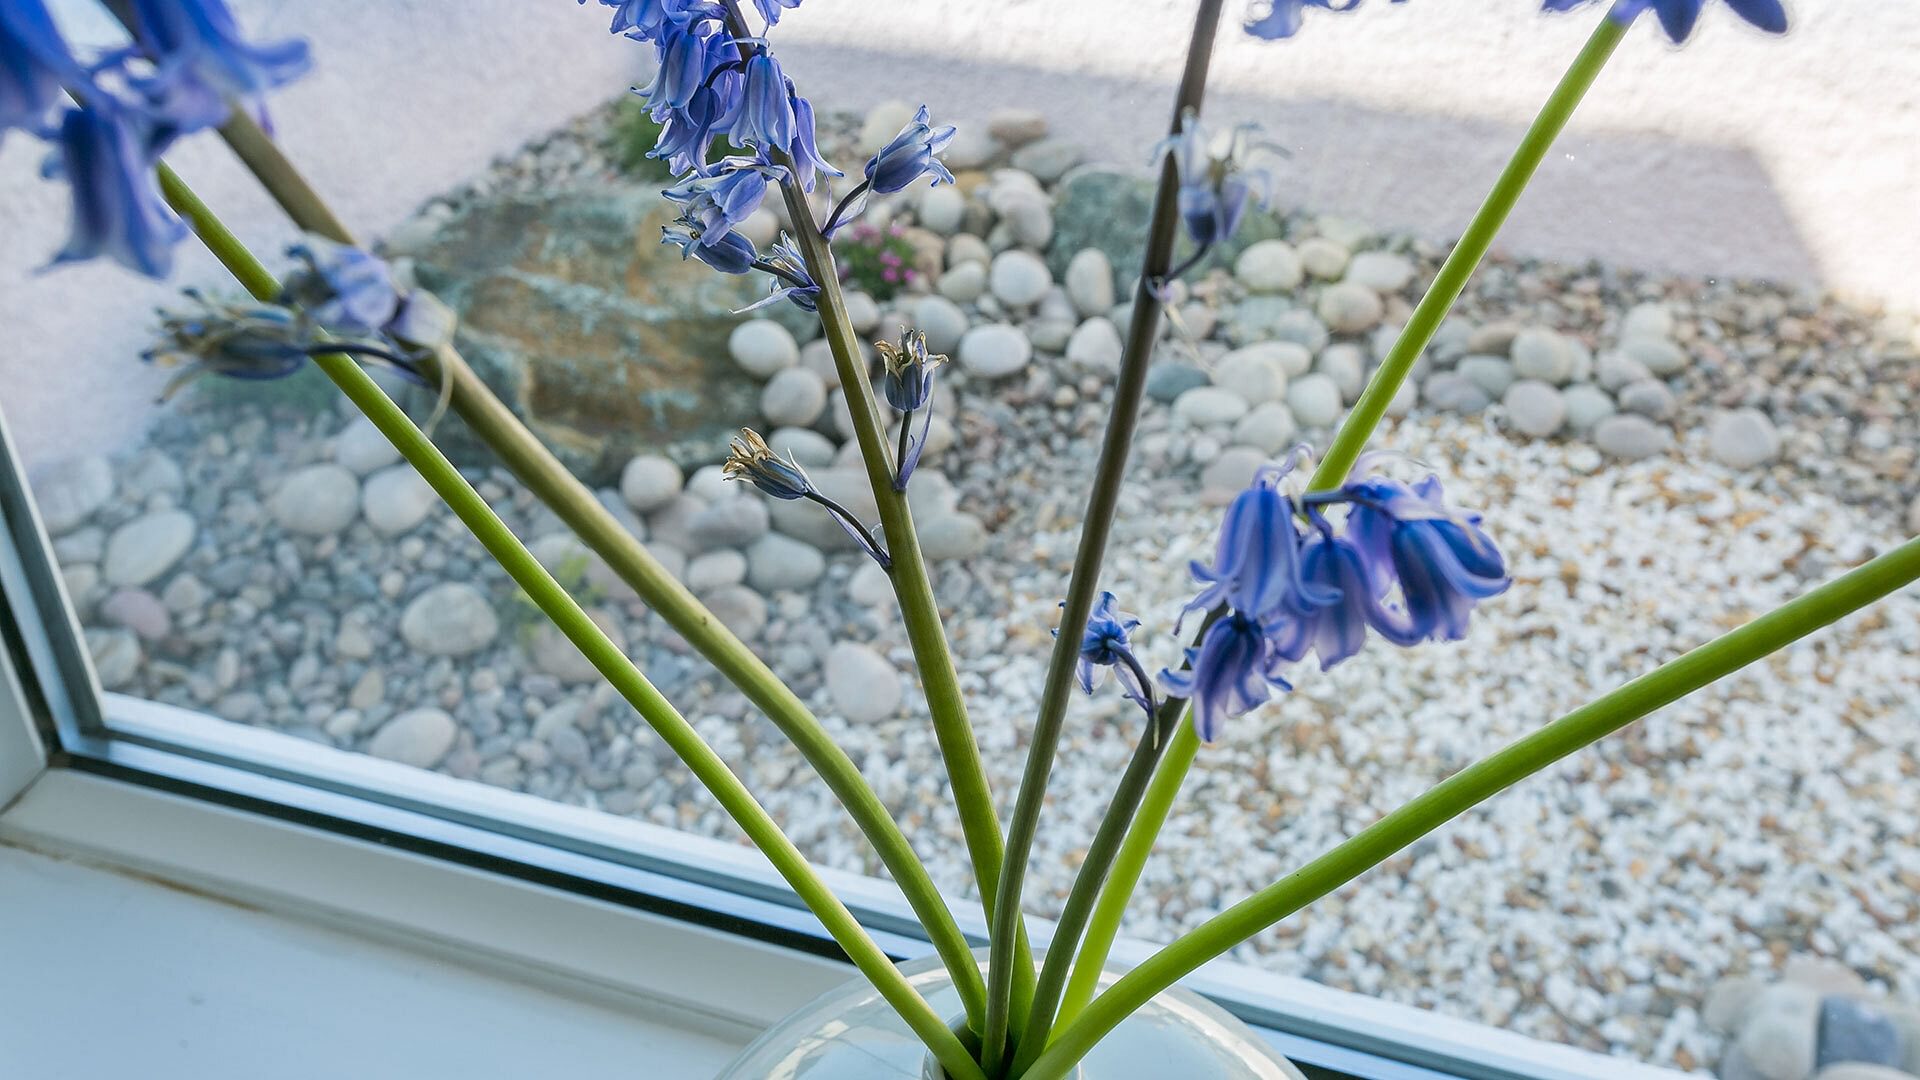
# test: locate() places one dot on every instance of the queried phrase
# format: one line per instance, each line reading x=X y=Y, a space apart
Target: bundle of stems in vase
x=1316 y=560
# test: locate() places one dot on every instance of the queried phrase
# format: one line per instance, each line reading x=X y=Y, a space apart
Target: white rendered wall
x=1747 y=155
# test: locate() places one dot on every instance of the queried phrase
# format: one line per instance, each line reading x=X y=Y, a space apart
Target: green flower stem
x=1092 y=874
x=1348 y=441
x=1465 y=257
x=1478 y=782
x=1104 y=926
x=572 y=620
x=912 y=586
x=529 y=459
x=1084 y=584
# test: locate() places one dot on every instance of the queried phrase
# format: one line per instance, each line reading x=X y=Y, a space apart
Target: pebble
x=396 y=499
x=1587 y=405
x=1089 y=281
x=1630 y=437
x=1049 y=159
x=1253 y=374
x=1648 y=397
x=963 y=284
x=810 y=448
x=1489 y=373
x=1019 y=278
x=762 y=347
x=1346 y=364
x=1229 y=474
x=1452 y=392
x=994 y=351
x=1028 y=217
x=731 y=522
x=1314 y=400
x=952 y=536
x=148 y=546
x=1269 y=428
x=1777 y=1039
x=1615 y=370
x=116 y=656
x=449 y=619
x=1269 y=266
x=1535 y=408
x=1096 y=344
x=1301 y=327
x=360 y=448
x=69 y=491
x=883 y=122
x=1167 y=380
x=739 y=609
x=713 y=569
x=941 y=320
x=418 y=737
x=1742 y=438
x=1323 y=258
x=1543 y=355
x=776 y=562
x=1016 y=127
x=1381 y=271
x=794 y=397
x=319 y=500
x=650 y=482
x=1851 y=1030
x=870 y=586
x=1205 y=406
x=1350 y=308
x=942 y=208
x=1661 y=357
x=139 y=611
x=553 y=653
x=1647 y=321
x=863 y=312
x=864 y=687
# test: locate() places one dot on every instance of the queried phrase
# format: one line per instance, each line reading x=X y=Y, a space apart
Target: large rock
x=604 y=340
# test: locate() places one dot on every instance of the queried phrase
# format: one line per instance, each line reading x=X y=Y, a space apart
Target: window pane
x=1673 y=393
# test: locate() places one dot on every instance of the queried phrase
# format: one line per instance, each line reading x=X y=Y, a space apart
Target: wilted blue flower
x=343 y=288
x=196 y=46
x=104 y=155
x=34 y=66
x=1440 y=559
x=1217 y=180
x=1256 y=567
x=239 y=341
x=911 y=155
x=1107 y=643
x=908 y=381
x=1233 y=670
x=752 y=460
x=791 y=279
x=770 y=9
x=1678 y=17
x=721 y=199
x=731 y=253
x=1283 y=17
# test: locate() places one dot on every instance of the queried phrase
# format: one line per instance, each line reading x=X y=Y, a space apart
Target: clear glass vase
x=851 y=1033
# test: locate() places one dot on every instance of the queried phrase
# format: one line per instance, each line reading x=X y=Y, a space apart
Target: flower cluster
x=187 y=64
x=1405 y=565
x=341 y=300
x=1678 y=17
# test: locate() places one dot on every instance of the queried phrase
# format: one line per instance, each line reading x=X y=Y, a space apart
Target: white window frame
x=694 y=929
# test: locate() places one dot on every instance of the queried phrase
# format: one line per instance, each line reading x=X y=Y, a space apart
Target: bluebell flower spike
x=1679 y=17
x=1256 y=567
x=35 y=67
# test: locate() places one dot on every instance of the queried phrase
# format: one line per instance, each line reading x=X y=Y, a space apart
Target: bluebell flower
x=1256 y=567
x=770 y=9
x=731 y=253
x=725 y=196
x=1678 y=17
x=1232 y=671
x=1107 y=644
x=911 y=155
x=1217 y=179
x=1338 y=630
x=804 y=152
x=691 y=57
x=643 y=20
x=35 y=64
x=343 y=288
x=196 y=45
x=908 y=385
x=1283 y=17
x=104 y=154
x=1439 y=558
x=792 y=281
x=687 y=134
x=752 y=460
x=239 y=341
x=763 y=113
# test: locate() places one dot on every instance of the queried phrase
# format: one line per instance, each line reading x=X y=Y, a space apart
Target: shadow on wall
x=1634 y=200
